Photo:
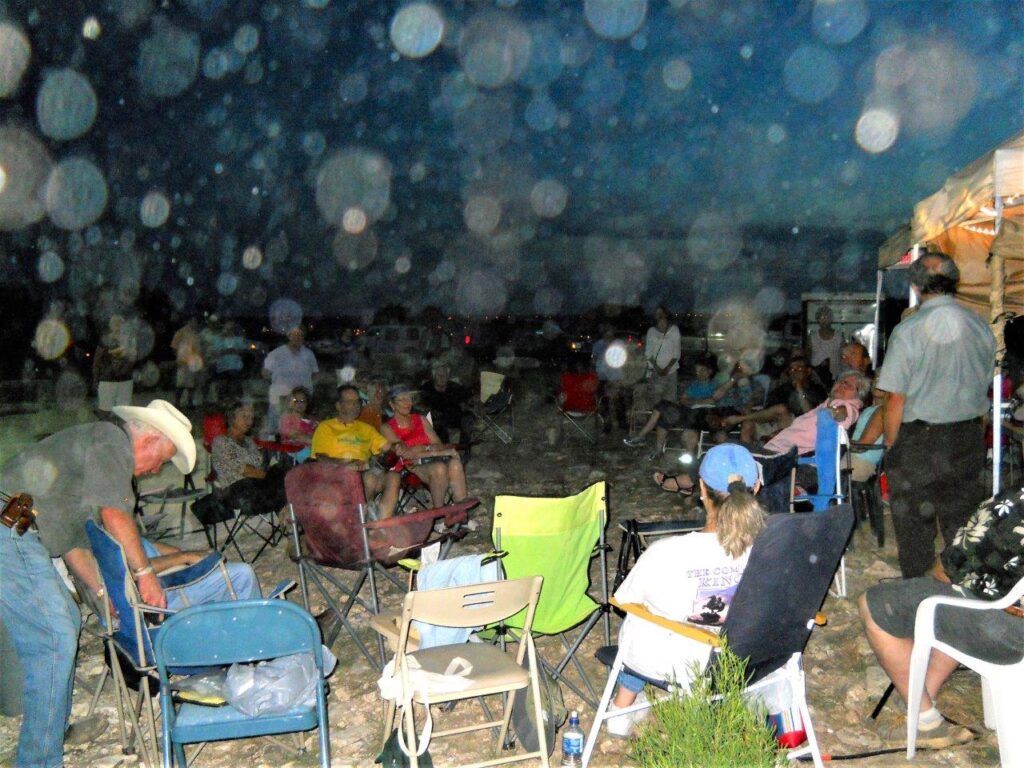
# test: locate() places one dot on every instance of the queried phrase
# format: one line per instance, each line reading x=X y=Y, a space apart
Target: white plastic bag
x=276 y=686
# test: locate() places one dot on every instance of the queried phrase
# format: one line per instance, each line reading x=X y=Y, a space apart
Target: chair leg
x=601 y=710
x=389 y=723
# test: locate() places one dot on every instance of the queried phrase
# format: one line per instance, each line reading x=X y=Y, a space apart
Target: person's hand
x=151 y=591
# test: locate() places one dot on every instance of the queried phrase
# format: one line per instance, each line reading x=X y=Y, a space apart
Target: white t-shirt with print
x=684 y=578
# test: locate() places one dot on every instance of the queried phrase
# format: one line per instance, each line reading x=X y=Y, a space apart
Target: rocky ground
x=843 y=681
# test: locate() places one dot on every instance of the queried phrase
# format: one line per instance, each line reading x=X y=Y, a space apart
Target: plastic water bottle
x=572 y=742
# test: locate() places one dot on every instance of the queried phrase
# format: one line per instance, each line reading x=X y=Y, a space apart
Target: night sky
x=482 y=157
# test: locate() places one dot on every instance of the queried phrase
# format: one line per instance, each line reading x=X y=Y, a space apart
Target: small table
x=278 y=448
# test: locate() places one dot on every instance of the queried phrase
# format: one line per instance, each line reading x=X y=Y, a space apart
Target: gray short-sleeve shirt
x=71 y=475
x=941 y=358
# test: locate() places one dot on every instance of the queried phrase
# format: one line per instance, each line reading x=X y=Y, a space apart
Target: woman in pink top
x=295 y=427
x=421 y=451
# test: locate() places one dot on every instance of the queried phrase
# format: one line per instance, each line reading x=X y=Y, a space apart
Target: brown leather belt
x=18 y=514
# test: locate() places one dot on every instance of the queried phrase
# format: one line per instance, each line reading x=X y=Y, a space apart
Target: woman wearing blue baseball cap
x=691 y=578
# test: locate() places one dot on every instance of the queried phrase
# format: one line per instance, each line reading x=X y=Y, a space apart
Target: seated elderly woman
x=245 y=483
x=421 y=451
x=670 y=579
x=295 y=427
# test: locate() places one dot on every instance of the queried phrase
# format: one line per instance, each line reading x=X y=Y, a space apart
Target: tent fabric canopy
x=959 y=220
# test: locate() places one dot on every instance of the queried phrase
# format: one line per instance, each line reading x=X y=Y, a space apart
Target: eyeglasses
x=298 y=400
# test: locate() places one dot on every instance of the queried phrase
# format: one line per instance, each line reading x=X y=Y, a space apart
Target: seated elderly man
x=448 y=403
x=844 y=402
x=984 y=561
x=351 y=442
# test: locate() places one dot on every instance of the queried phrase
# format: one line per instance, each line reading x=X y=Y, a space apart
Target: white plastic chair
x=1000 y=683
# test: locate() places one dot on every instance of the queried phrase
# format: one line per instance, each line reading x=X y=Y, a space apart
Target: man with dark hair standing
x=937 y=368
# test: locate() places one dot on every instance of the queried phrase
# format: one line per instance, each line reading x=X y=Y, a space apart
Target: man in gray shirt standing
x=937 y=368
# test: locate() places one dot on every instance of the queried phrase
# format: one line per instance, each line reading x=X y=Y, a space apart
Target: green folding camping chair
x=557 y=538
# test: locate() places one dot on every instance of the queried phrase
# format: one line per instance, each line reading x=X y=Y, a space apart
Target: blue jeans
x=43 y=623
x=212 y=588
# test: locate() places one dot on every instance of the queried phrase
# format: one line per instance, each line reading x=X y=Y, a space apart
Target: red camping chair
x=577 y=401
x=327 y=501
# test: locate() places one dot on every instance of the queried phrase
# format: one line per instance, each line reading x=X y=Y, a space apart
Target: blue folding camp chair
x=240 y=631
x=131 y=640
x=829 y=442
x=828 y=445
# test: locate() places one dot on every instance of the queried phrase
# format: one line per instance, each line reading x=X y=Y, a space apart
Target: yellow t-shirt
x=354 y=441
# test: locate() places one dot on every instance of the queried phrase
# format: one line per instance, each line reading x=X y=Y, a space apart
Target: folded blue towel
x=456 y=572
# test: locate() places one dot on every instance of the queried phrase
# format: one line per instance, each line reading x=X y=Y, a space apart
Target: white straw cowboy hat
x=167 y=419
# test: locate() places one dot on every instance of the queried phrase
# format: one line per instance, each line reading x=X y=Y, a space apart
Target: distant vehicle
x=403 y=347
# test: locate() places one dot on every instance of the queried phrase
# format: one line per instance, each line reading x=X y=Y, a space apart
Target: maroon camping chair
x=578 y=402
x=327 y=502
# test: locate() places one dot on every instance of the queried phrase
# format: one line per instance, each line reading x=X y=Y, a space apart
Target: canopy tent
x=977 y=217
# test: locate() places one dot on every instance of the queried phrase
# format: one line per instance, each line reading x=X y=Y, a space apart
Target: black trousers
x=934 y=475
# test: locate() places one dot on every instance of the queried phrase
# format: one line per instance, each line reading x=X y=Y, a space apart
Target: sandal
x=671 y=484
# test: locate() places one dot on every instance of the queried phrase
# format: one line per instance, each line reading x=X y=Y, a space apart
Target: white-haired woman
x=689 y=578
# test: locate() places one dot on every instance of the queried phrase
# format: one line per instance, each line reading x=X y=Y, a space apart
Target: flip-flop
x=665 y=479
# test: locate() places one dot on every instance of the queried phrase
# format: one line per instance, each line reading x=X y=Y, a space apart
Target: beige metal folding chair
x=492 y=671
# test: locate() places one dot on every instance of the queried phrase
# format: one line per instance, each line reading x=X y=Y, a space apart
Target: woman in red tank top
x=421 y=451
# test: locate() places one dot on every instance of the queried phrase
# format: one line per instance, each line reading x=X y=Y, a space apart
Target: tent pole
x=914 y=257
x=997 y=319
x=878 y=318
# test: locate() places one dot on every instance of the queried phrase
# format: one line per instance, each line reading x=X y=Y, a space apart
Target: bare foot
x=674 y=483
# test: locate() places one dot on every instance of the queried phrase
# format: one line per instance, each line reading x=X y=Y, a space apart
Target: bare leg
x=893 y=654
x=623 y=697
x=457 y=479
x=651 y=423
x=661 y=438
x=392 y=485
x=436 y=476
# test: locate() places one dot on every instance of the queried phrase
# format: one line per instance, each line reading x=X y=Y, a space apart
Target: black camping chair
x=787 y=577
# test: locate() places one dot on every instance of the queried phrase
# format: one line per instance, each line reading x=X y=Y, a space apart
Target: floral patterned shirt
x=230 y=458
x=986 y=557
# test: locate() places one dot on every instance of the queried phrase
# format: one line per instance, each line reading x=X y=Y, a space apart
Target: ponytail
x=740 y=517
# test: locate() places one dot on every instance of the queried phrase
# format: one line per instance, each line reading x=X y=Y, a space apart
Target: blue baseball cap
x=726 y=463
x=400 y=389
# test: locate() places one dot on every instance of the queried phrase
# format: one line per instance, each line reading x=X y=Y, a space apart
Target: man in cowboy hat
x=80 y=473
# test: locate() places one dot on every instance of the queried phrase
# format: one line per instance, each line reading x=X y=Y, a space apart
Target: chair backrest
x=131 y=633
x=554 y=538
x=826 y=453
x=786 y=580
x=326 y=499
x=491 y=383
x=579 y=392
x=214 y=425
x=240 y=631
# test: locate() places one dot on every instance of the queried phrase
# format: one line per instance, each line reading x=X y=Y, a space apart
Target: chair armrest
x=179 y=577
x=146 y=608
x=281 y=588
x=682 y=628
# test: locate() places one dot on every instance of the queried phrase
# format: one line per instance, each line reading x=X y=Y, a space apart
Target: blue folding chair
x=129 y=636
x=239 y=631
x=828 y=445
x=829 y=442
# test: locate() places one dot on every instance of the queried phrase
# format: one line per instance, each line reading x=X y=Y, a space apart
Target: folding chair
x=1000 y=683
x=830 y=441
x=496 y=406
x=771 y=616
x=129 y=637
x=557 y=538
x=637 y=536
x=327 y=501
x=577 y=401
x=240 y=631
x=267 y=526
x=492 y=670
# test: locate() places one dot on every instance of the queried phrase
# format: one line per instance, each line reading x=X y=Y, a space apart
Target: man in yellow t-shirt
x=351 y=442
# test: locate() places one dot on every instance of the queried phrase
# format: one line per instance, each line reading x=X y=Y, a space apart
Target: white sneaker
x=622 y=725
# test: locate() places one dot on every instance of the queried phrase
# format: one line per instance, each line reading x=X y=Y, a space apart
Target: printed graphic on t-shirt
x=717 y=587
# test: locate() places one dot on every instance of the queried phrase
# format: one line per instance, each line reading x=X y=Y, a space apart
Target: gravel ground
x=843 y=680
